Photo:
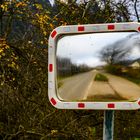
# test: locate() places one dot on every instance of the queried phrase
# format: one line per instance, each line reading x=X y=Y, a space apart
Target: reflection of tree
x=65 y=67
x=114 y=53
x=119 y=52
x=121 y=58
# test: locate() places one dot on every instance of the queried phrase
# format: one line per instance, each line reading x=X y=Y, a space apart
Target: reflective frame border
x=83 y=29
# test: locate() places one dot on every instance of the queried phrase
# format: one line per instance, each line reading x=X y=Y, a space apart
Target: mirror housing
x=63 y=31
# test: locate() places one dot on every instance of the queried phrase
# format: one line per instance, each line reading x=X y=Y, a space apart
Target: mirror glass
x=99 y=67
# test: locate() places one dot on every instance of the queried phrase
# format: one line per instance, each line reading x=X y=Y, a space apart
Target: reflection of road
x=83 y=87
x=117 y=88
x=124 y=87
x=76 y=87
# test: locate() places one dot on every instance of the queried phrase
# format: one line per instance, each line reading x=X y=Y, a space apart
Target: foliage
x=25 y=112
x=67 y=68
x=101 y=77
x=114 y=69
x=125 y=71
x=60 y=83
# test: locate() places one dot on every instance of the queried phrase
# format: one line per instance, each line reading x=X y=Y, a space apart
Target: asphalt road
x=83 y=87
x=76 y=87
x=116 y=89
x=125 y=88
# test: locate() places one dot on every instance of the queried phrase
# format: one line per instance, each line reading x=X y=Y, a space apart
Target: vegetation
x=132 y=75
x=66 y=68
x=25 y=111
x=129 y=73
x=114 y=69
x=101 y=77
x=118 y=61
x=60 y=83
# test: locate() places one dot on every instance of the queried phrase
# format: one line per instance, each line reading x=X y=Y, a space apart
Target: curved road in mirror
x=85 y=87
x=99 y=67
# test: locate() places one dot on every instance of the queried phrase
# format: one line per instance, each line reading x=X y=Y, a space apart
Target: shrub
x=114 y=69
x=100 y=77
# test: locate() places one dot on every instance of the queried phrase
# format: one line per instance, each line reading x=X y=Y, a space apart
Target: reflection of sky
x=85 y=48
x=52 y=2
x=135 y=53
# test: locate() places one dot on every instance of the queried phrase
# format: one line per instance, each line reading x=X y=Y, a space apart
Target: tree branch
x=136 y=11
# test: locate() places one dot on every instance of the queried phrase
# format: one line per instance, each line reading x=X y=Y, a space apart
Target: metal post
x=108 y=126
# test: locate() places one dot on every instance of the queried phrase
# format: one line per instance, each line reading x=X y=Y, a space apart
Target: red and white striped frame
x=83 y=29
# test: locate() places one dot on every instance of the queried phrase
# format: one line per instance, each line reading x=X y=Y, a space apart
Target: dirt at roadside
x=116 y=89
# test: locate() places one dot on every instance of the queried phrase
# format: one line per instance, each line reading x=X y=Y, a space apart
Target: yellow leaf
x=39 y=6
x=54 y=131
x=21 y=4
x=1 y=50
x=2 y=83
x=3 y=54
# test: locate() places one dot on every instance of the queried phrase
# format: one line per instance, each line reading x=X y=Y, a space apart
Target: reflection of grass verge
x=134 y=80
x=59 y=78
x=102 y=98
x=101 y=77
x=106 y=98
x=60 y=84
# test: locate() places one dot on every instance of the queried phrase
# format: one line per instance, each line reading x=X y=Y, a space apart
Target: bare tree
x=114 y=53
x=136 y=10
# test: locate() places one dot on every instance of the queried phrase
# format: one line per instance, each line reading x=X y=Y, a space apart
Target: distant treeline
x=65 y=67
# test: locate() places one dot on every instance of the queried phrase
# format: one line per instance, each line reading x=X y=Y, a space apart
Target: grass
x=101 y=77
x=60 y=84
x=134 y=80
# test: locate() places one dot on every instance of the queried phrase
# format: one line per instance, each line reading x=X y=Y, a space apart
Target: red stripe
x=81 y=105
x=111 y=27
x=53 y=34
x=81 y=28
x=139 y=28
x=111 y=105
x=53 y=101
x=50 y=67
x=139 y=102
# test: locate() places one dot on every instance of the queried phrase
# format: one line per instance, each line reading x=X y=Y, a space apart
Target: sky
x=52 y=2
x=86 y=48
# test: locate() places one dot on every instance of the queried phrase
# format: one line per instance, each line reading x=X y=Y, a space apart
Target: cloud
x=51 y=2
x=86 y=48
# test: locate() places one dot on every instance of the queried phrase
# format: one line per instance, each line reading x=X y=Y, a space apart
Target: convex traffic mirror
x=95 y=66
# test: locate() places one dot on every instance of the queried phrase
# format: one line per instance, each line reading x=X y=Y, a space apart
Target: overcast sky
x=86 y=48
x=52 y=2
